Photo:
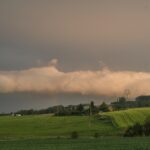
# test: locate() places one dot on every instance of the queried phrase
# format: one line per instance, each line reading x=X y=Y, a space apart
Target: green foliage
x=129 y=117
x=143 y=101
x=74 y=135
x=80 y=108
x=120 y=104
x=104 y=107
x=138 y=129
x=93 y=109
x=147 y=127
x=96 y=135
x=73 y=110
x=135 y=130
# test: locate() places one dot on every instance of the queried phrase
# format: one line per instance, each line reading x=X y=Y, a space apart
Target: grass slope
x=45 y=126
x=125 y=118
x=51 y=126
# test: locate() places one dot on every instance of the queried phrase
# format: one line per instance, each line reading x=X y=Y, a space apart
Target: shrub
x=135 y=130
x=58 y=137
x=139 y=130
x=129 y=132
x=74 y=135
x=147 y=127
x=96 y=135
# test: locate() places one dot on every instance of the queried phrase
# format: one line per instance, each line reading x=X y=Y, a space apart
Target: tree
x=143 y=101
x=120 y=104
x=92 y=105
x=80 y=108
x=122 y=100
x=104 y=107
x=147 y=127
x=93 y=109
x=135 y=130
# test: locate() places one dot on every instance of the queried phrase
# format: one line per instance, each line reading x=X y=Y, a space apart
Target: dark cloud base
x=17 y=101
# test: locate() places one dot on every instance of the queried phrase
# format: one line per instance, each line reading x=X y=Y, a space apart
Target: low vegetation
x=45 y=126
x=138 y=129
x=102 y=143
x=104 y=131
x=74 y=135
x=129 y=117
x=104 y=124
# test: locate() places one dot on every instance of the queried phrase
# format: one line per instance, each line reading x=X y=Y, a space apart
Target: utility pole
x=127 y=93
x=90 y=115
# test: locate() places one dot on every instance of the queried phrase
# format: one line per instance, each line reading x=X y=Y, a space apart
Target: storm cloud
x=51 y=80
x=78 y=33
x=84 y=35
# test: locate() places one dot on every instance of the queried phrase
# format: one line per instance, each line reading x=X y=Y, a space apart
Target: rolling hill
x=129 y=117
x=43 y=126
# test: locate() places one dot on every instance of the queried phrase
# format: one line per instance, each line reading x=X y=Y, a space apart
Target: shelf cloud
x=49 y=79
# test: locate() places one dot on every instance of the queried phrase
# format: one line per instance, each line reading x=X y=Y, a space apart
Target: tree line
x=91 y=108
x=70 y=110
x=123 y=103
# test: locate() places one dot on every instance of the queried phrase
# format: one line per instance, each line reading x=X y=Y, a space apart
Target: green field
x=47 y=126
x=126 y=118
x=50 y=126
x=47 y=132
x=103 y=143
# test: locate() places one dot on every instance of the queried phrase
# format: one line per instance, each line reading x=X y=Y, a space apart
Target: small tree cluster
x=104 y=107
x=138 y=129
x=135 y=130
x=147 y=127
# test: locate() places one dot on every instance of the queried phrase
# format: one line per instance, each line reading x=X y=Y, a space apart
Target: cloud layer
x=51 y=80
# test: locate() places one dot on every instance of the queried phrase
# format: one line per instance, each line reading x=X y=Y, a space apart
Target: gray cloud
x=78 y=33
x=74 y=23
x=53 y=81
x=82 y=35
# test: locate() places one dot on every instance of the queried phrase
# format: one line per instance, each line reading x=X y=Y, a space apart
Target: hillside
x=43 y=126
x=125 y=118
x=52 y=126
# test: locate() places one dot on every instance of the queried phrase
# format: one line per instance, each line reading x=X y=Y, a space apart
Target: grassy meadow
x=103 y=143
x=49 y=132
x=129 y=117
x=48 y=126
x=52 y=126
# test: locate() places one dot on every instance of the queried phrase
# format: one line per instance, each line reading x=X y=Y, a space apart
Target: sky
x=72 y=51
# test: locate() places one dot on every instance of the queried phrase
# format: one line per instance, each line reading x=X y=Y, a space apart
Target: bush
x=129 y=132
x=147 y=127
x=74 y=135
x=138 y=129
x=58 y=137
x=135 y=130
x=96 y=135
x=104 y=107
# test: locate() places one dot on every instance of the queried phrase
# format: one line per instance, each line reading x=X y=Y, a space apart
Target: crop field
x=125 y=118
x=103 y=143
